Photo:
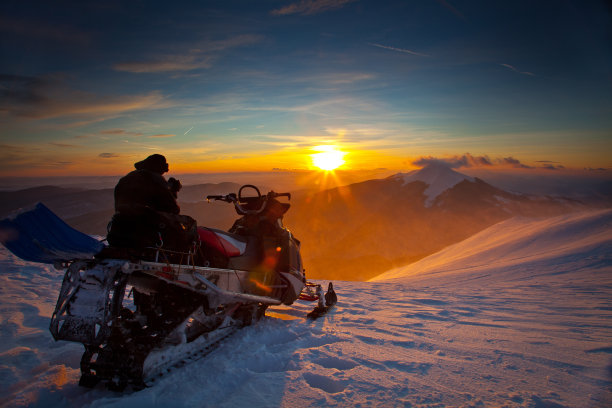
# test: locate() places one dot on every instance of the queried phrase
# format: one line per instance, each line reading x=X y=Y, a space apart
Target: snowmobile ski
x=326 y=302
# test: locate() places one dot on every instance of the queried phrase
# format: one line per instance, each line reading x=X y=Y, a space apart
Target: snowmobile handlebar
x=244 y=205
x=228 y=198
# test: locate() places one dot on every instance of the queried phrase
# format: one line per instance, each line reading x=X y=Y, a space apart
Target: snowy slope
x=439 y=178
x=510 y=247
x=518 y=317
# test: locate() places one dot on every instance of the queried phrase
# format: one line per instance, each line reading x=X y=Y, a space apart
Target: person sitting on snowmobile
x=146 y=186
x=146 y=211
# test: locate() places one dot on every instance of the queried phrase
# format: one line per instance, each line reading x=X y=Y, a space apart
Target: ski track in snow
x=506 y=324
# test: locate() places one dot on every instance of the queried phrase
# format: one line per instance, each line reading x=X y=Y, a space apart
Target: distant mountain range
x=353 y=232
x=361 y=230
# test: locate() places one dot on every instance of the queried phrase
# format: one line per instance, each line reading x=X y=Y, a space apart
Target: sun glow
x=329 y=157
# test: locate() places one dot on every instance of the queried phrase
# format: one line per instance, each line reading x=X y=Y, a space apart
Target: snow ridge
x=439 y=178
x=513 y=246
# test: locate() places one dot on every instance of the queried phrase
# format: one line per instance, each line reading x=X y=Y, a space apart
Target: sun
x=329 y=158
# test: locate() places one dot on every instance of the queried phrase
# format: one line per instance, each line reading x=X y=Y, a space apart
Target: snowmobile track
x=191 y=353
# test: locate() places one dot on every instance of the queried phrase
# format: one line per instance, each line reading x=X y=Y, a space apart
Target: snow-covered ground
x=519 y=315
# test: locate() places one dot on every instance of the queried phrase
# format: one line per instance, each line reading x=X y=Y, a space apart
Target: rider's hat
x=155 y=163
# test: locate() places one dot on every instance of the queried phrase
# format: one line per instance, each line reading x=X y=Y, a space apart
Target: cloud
x=335 y=78
x=58 y=144
x=455 y=162
x=452 y=9
x=310 y=7
x=29 y=158
x=550 y=165
x=228 y=43
x=553 y=167
x=161 y=136
x=403 y=50
x=108 y=155
x=511 y=161
x=510 y=67
x=467 y=161
x=19 y=89
x=119 y=132
x=45 y=98
x=169 y=63
x=200 y=56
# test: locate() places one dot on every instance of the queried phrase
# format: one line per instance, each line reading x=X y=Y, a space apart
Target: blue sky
x=91 y=87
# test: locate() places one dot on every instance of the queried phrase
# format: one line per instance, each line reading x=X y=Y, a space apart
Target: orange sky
x=240 y=86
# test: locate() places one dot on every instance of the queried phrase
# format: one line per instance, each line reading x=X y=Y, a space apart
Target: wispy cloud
x=357 y=130
x=199 y=56
x=161 y=136
x=402 y=50
x=452 y=9
x=59 y=144
x=108 y=155
x=119 y=132
x=310 y=7
x=512 y=68
x=336 y=78
x=31 y=157
x=45 y=98
x=227 y=43
x=168 y=63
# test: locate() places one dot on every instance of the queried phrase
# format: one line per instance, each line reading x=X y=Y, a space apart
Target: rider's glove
x=174 y=185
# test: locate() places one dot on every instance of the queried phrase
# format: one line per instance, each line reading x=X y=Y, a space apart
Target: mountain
x=65 y=202
x=361 y=230
x=516 y=316
x=353 y=232
x=90 y=211
x=438 y=178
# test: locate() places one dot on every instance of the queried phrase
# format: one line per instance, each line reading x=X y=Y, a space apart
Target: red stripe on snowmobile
x=308 y=298
x=165 y=275
x=223 y=243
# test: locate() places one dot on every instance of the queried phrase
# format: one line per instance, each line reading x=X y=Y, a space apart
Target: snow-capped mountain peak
x=439 y=178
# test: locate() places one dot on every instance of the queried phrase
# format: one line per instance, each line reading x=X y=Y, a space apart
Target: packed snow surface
x=519 y=315
x=439 y=178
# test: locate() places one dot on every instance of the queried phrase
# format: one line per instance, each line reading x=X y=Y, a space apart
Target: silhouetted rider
x=146 y=211
x=147 y=187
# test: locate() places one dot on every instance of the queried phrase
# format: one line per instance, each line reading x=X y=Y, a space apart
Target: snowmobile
x=140 y=312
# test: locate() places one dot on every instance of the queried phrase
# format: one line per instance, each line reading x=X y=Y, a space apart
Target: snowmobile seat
x=140 y=227
x=230 y=245
x=132 y=254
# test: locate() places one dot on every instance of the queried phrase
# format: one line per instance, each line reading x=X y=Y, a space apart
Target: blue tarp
x=38 y=235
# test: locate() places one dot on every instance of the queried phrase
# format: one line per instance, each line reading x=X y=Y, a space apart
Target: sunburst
x=329 y=157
